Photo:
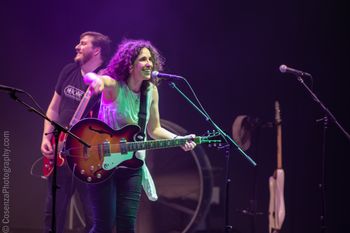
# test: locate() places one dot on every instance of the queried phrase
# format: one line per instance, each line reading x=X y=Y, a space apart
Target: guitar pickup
x=123 y=148
x=104 y=149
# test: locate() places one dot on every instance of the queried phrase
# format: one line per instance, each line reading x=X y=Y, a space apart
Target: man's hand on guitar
x=47 y=149
x=190 y=144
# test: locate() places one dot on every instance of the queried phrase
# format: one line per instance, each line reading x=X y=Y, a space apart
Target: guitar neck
x=279 y=146
x=278 y=122
x=158 y=144
x=81 y=108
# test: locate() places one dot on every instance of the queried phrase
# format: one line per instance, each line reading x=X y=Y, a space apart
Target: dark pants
x=116 y=201
x=67 y=185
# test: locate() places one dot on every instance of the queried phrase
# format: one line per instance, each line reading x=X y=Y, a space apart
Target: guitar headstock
x=211 y=134
x=213 y=138
x=278 y=119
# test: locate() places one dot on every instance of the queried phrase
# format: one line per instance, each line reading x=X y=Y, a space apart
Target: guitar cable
x=32 y=173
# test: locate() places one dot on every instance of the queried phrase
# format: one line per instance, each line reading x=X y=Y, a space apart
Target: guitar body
x=276 y=206
x=97 y=163
x=48 y=164
x=272 y=187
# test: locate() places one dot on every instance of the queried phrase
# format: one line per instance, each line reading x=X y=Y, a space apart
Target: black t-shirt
x=71 y=87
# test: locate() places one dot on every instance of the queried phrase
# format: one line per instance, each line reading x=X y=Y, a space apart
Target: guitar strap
x=94 y=105
x=143 y=111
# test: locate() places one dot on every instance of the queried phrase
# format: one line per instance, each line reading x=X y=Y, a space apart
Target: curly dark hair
x=125 y=56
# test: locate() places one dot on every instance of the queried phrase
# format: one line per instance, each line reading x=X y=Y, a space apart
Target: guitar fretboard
x=279 y=134
x=156 y=144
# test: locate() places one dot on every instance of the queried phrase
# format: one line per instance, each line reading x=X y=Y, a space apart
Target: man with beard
x=92 y=52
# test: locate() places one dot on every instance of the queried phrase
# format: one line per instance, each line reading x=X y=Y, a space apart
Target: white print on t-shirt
x=73 y=92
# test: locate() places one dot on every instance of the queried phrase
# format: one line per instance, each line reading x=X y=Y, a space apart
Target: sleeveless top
x=124 y=111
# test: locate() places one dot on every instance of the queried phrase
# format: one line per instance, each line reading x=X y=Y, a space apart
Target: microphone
x=156 y=74
x=286 y=69
x=10 y=89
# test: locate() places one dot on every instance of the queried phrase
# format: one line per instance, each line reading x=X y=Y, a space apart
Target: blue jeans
x=116 y=201
x=67 y=185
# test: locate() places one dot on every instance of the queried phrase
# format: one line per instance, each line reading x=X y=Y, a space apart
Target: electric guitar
x=49 y=163
x=109 y=149
x=276 y=183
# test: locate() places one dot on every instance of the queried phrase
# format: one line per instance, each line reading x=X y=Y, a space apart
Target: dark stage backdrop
x=230 y=52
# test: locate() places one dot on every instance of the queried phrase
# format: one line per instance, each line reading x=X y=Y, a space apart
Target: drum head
x=184 y=185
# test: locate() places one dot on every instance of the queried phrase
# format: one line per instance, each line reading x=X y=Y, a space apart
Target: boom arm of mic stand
x=56 y=125
x=223 y=134
x=324 y=107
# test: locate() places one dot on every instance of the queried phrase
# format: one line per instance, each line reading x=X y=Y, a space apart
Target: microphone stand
x=229 y=142
x=325 y=120
x=56 y=132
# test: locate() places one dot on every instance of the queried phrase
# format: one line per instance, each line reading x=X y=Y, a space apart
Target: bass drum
x=184 y=186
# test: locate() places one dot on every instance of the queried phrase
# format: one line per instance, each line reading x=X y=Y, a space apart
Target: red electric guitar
x=48 y=163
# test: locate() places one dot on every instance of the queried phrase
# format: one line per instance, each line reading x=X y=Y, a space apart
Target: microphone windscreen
x=154 y=74
x=283 y=68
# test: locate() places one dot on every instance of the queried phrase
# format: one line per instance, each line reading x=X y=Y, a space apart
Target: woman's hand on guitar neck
x=190 y=144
